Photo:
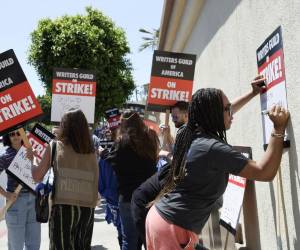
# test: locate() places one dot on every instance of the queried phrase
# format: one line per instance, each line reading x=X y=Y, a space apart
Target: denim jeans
x=130 y=235
x=22 y=227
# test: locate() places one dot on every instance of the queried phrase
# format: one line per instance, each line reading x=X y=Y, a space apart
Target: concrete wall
x=225 y=38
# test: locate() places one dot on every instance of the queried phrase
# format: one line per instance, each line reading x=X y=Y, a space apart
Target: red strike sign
x=164 y=90
x=17 y=104
x=37 y=145
x=68 y=87
x=273 y=69
x=114 y=121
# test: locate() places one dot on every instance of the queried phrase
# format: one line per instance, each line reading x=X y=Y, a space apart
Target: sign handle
x=19 y=187
x=164 y=145
x=281 y=207
x=9 y=203
x=24 y=138
x=226 y=240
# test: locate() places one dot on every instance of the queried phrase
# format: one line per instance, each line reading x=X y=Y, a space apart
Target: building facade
x=225 y=35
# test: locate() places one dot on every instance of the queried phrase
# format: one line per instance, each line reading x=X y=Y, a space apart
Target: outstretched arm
x=39 y=170
x=257 y=85
x=266 y=168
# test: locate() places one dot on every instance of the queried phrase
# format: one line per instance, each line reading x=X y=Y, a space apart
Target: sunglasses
x=228 y=109
x=11 y=134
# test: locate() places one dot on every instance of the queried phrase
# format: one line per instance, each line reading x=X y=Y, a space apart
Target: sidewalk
x=104 y=235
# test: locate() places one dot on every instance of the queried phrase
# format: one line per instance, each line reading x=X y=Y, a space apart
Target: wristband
x=277 y=135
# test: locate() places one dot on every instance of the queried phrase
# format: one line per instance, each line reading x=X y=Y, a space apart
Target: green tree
x=90 y=41
x=149 y=41
x=45 y=103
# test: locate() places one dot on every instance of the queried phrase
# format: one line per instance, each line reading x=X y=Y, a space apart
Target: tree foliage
x=90 y=41
x=45 y=103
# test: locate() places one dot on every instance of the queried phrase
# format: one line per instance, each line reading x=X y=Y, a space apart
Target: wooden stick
x=278 y=211
x=9 y=203
x=226 y=240
x=283 y=209
x=164 y=146
x=19 y=187
x=24 y=138
x=167 y=117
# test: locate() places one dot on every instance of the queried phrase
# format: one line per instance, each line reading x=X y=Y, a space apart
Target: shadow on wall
x=295 y=182
x=214 y=19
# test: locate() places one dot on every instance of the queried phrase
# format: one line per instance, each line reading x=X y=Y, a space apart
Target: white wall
x=225 y=40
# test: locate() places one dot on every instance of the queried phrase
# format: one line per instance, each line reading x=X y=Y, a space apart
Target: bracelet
x=169 y=155
x=277 y=135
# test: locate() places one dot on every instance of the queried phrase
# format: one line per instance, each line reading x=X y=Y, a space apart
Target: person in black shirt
x=143 y=195
x=133 y=157
x=201 y=164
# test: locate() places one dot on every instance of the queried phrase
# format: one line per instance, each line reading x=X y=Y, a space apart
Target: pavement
x=104 y=235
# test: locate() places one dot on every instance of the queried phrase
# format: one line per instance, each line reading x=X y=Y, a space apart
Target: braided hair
x=205 y=114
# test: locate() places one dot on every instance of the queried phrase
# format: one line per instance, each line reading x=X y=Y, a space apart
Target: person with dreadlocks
x=201 y=165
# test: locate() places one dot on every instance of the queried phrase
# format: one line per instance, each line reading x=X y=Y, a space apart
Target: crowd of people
x=158 y=195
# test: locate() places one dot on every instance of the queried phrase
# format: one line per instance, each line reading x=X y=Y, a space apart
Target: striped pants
x=71 y=227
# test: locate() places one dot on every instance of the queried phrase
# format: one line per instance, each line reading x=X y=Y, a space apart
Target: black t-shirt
x=208 y=165
x=144 y=194
x=130 y=168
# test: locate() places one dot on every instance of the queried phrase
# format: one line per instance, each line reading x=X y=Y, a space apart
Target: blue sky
x=20 y=17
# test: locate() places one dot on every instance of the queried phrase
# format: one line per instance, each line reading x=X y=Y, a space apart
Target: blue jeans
x=22 y=227
x=130 y=237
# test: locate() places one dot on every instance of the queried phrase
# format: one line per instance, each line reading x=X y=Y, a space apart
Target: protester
x=22 y=228
x=72 y=216
x=151 y=188
x=143 y=195
x=200 y=167
x=179 y=113
x=133 y=158
x=108 y=186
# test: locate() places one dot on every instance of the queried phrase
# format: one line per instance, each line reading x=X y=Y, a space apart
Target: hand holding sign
x=10 y=201
x=258 y=84
x=279 y=116
x=11 y=196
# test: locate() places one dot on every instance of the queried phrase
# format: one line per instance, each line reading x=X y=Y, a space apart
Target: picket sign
x=172 y=77
x=73 y=88
x=18 y=104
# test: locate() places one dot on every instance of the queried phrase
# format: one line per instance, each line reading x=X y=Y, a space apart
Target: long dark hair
x=6 y=141
x=205 y=115
x=138 y=136
x=74 y=131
